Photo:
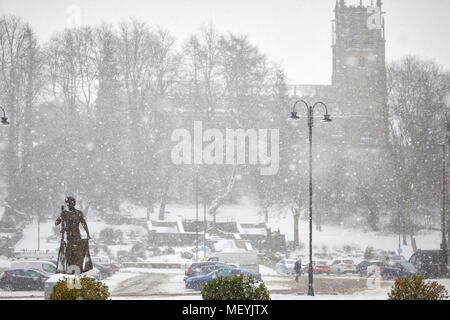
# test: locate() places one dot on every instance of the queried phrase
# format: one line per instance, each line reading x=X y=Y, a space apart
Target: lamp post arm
x=302 y=101
x=323 y=104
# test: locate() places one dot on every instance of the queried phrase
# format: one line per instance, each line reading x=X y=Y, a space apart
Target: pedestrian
x=298 y=269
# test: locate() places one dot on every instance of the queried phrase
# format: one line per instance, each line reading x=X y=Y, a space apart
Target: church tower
x=359 y=71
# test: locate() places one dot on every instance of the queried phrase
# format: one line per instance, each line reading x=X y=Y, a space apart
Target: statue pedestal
x=51 y=282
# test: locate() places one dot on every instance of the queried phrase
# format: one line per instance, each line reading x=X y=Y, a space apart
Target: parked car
x=392 y=271
x=319 y=267
x=343 y=266
x=195 y=268
x=104 y=269
x=361 y=268
x=114 y=267
x=285 y=266
x=199 y=281
x=200 y=270
x=22 y=279
x=391 y=259
x=94 y=272
x=105 y=265
x=429 y=263
x=213 y=267
x=43 y=266
x=398 y=270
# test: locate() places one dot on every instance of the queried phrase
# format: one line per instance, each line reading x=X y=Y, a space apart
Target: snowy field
x=330 y=239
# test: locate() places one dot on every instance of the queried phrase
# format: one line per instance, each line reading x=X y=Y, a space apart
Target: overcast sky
x=296 y=33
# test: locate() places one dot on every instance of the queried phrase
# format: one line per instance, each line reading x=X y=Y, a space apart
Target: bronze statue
x=73 y=250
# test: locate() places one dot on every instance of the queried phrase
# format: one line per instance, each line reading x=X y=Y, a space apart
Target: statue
x=73 y=251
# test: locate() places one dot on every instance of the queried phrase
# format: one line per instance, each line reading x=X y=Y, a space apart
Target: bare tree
x=417 y=92
x=18 y=63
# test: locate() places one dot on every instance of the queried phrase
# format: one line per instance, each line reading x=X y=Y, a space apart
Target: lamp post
x=326 y=118
x=443 y=245
x=196 y=214
x=444 y=208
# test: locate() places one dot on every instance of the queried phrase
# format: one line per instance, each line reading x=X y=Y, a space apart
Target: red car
x=319 y=267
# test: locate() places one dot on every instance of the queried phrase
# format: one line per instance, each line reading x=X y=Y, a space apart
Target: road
x=160 y=285
x=170 y=285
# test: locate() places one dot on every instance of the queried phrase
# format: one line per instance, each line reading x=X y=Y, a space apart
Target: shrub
x=111 y=236
x=415 y=288
x=168 y=251
x=348 y=249
x=91 y=289
x=239 y=287
x=155 y=251
x=138 y=251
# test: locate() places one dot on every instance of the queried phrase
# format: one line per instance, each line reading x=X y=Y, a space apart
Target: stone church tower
x=359 y=72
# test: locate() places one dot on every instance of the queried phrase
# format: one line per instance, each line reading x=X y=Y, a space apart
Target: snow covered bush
x=415 y=288
x=138 y=252
x=239 y=287
x=168 y=250
x=91 y=289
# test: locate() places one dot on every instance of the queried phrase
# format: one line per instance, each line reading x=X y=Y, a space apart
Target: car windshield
x=31 y=273
x=290 y=261
x=207 y=269
x=322 y=263
x=48 y=268
x=348 y=261
x=224 y=272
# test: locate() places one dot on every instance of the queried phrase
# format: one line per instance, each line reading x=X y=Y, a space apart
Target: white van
x=247 y=260
x=45 y=266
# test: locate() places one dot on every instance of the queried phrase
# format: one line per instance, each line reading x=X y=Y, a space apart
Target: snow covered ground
x=331 y=238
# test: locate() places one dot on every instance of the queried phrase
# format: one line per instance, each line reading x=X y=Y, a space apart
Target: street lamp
x=196 y=214
x=444 y=252
x=443 y=246
x=326 y=118
x=4 y=120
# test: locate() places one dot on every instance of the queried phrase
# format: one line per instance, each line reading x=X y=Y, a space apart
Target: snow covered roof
x=224 y=244
x=233 y=250
x=261 y=231
x=162 y=227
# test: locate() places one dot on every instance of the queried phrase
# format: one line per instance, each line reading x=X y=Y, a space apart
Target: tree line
x=93 y=108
